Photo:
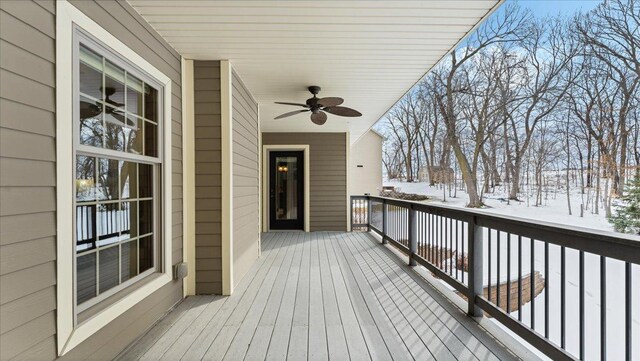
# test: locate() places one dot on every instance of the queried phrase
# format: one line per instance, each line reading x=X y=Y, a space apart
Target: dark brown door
x=286 y=190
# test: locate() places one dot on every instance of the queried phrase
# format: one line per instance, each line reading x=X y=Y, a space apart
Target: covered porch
x=318 y=296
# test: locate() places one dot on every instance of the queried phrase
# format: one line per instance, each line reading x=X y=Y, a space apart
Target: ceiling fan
x=91 y=110
x=318 y=107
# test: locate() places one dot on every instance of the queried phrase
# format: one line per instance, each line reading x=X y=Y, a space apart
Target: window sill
x=102 y=318
x=89 y=312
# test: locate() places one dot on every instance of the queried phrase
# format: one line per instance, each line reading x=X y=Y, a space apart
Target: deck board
x=321 y=296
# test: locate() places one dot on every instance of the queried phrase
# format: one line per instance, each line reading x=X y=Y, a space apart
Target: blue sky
x=562 y=7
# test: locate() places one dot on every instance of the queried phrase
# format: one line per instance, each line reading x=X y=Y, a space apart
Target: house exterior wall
x=208 y=177
x=367 y=153
x=28 y=178
x=246 y=154
x=328 y=176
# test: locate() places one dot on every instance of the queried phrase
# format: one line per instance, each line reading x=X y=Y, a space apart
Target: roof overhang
x=368 y=52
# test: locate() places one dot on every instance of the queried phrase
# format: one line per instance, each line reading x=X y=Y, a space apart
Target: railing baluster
x=508 y=273
x=498 y=269
x=562 y=297
x=603 y=308
x=628 y=312
x=581 y=306
x=489 y=265
x=532 y=285
x=519 y=278
x=450 y=246
x=546 y=290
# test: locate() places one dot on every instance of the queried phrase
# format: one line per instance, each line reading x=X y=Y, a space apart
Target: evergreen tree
x=627 y=217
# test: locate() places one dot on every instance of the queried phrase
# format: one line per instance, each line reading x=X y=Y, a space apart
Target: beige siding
x=246 y=230
x=365 y=158
x=208 y=177
x=328 y=173
x=27 y=179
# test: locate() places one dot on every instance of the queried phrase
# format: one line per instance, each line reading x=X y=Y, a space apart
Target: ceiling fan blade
x=319 y=118
x=343 y=111
x=291 y=113
x=330 y=101
x=89 y=110
x=297 y=104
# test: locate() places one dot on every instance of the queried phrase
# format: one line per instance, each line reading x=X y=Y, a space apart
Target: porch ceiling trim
x=368 y=52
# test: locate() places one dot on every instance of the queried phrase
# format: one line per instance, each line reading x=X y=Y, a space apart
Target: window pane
x=114 y=85
x=134 y=95
x=146 y=180
x=85 y=228
x=85 y=178
x=114 y=121
x=128 y=180
x=133 y=134
x=129 y=260
x=107 y=179
x=108 y=228
x=150 y=139
x=91 y=128
x=86 y=277
x=150 y=103
x=128 y=220
x=146 y=217
x=108 y=268
x=146 y=253
x=90 y=73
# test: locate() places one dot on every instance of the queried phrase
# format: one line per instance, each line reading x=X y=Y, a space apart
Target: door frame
x=266 y=149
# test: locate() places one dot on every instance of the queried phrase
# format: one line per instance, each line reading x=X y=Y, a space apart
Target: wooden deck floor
x=319 y=296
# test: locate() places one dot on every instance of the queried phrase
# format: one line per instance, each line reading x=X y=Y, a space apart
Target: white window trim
x=265 y=180
x=70 y=335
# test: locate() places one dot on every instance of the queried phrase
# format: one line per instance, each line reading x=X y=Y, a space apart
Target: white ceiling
x=367 y=52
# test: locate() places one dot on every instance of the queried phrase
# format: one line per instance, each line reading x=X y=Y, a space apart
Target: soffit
x=368 y=52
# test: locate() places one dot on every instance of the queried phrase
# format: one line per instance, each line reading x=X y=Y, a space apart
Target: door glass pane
x=286 y=185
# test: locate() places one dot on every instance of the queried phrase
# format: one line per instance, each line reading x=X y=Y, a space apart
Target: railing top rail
x=621 y=246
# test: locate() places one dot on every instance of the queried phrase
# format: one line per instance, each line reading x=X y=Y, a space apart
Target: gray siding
x=246 y=230
x=328 y=173
x=27 y=179
x=208 y=177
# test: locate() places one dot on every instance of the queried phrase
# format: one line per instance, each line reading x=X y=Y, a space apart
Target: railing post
x=350 y=214
x=384 y=222
x=413 y=236
x=368 y=214
x=475 y=268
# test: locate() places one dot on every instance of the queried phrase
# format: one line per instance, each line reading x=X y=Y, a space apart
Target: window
x=117 y=157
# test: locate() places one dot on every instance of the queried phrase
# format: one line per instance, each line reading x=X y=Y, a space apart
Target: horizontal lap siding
x=328 y=173
x=246 y=230
x=208 y=177
x=27 y=179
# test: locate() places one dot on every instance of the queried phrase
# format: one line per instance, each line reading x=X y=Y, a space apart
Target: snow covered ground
x=554 y=210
